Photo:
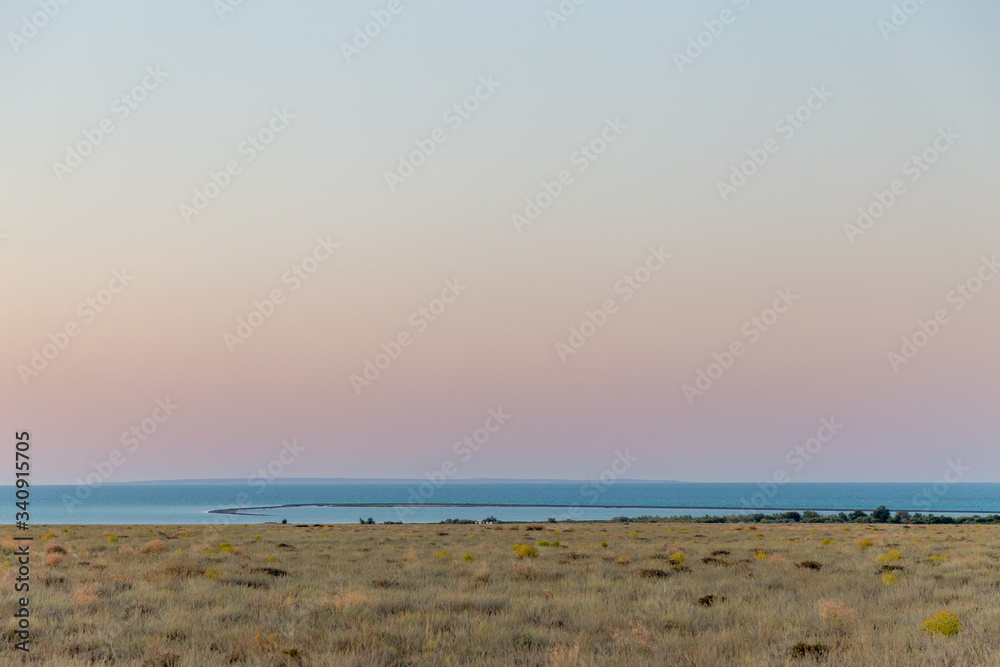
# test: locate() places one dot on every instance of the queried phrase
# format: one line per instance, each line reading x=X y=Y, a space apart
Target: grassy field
x=639 y=594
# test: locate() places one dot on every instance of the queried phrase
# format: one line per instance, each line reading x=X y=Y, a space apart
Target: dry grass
x=154 y=547
x=377 y=595
x=836 y=612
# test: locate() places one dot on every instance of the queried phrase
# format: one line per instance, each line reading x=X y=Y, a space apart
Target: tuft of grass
x=709 y=600
x=527 y=572
x=835 y=612
x=444 y=553
x=760 y=555
x=653 y=573
x=85 y=596
x=346 y=600
x=942 y=623
x=603 y=544
x=866 y=543
x=889 y=579
x=213 y=572
x=937 y=559
x=827 y=542
x=525 y=551
x=112 y=538
x=678 y=557
x=803 y=650
x=889 y=556
x=153 y=547
x=469 y=558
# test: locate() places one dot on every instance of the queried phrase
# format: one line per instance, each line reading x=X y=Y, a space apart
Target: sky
x=724 y=241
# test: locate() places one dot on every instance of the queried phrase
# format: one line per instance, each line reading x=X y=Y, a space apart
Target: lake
x=191 y=503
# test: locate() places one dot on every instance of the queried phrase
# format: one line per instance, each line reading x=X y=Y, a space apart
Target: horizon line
x=401 y=480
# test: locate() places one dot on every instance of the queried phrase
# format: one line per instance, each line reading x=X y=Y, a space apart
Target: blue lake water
x=191 y=503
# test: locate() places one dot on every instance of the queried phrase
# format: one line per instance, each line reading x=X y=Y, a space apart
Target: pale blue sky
x=656 y=185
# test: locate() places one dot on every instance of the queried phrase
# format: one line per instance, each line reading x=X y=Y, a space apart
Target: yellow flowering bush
x=942 y=623
x=889 y=556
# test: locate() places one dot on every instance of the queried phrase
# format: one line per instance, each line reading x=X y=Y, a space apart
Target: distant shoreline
x=247 y=511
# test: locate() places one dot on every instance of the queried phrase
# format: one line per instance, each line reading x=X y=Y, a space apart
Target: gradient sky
x=495 y=346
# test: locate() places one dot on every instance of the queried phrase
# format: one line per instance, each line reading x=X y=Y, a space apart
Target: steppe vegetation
x=558 y=594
